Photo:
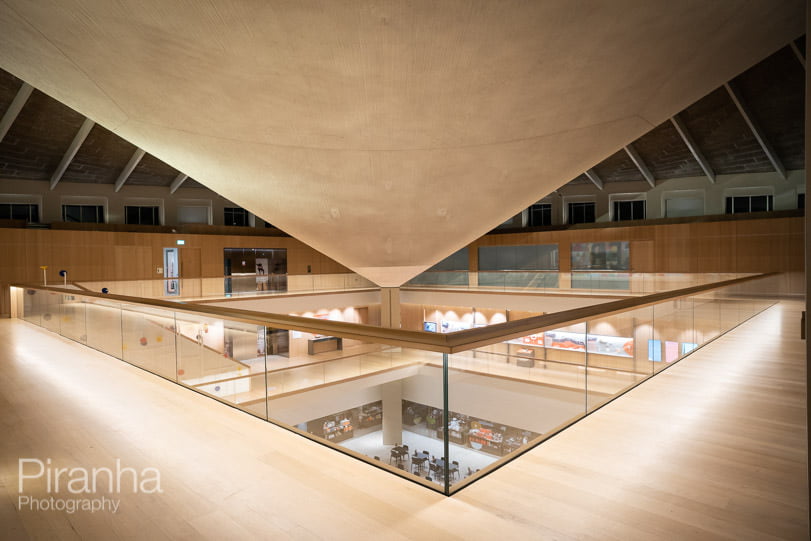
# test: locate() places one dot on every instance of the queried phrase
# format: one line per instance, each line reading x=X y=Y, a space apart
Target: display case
x=485 y=439
x=458 y=428
x=515 y=438
x=336 y=431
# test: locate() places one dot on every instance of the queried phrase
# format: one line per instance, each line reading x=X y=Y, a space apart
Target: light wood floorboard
x=713 y=448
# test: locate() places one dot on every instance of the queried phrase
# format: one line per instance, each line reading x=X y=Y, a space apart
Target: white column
x=392 y=397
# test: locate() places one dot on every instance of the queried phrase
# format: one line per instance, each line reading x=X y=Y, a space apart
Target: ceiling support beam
x=735 y=94
x=640 y=164
x=692 y=146
x=129 y=168
x=78 y=139
x=14 y=109
x=179 y=180
x=595 y=178
x=798 y=53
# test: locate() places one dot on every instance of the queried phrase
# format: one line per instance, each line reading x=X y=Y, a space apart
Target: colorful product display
x=618 y=346
x=478 y=434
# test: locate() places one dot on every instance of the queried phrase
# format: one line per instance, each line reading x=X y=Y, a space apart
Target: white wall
x=50 y=201
x=714 y=194
x=528 y=406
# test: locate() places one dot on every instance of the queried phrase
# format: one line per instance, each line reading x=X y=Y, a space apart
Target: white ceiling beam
x=735 y=94
x=693 y=147
x=179 y=180
x=129 y=168
x=78 y=139
x=595 y=178
x=640 y=164
x=798 y=53
x=14 y=109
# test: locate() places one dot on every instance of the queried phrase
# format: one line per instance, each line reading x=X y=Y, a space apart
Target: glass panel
x=441 y=278
x=132 y=215
x=707 y=317
x=50 y=310
x=740 y=204
x=20 y=212
x=382 y=403
x=674 y=333
x=33 y=302
x=760 y=203
x=149 y=339
x=617 y=354
x=104 y=326
x=457 y=261
x=224 y=359
x=528 y=257
x=505 y=396
x=71 y=213
x=601 y=256
x=73 y=323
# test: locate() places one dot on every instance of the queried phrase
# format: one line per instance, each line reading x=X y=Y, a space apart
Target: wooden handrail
x=454 y=342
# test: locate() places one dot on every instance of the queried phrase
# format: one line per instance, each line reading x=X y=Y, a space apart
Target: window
x=19 y=211
x=540 y=214
x=236 y=216
x=533 y=257
x=800 y=200
x=93 y=214
x=749 y=203
x=629 y=210
x=581 y=213
x=142 y=215
x=601 y=256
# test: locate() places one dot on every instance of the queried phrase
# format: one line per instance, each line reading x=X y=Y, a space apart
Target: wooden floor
x=714 y=447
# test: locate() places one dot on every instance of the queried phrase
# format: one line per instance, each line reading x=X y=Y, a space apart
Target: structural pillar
x=392 y=399
x=390 y=307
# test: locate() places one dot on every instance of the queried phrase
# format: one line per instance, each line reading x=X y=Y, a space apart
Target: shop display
x=514 y=439
x=617 y=346
x=453 y=326
x=413 y=414
x=655 y=350
x=671 y=351
x=687 y=347
x=565 y=340
x=336 y=431
x=532 y=339
x=483 y=436
x=371 y=415
x=526 y=357
x=458 y=430
x=478 y=434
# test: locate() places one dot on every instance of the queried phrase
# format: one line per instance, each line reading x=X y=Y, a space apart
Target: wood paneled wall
x=758 y=245
x=105 y=255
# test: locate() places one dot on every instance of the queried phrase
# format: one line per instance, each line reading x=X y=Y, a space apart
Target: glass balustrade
x=439 y=419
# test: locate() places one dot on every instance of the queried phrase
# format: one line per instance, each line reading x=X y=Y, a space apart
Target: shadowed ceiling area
x=384 y=134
